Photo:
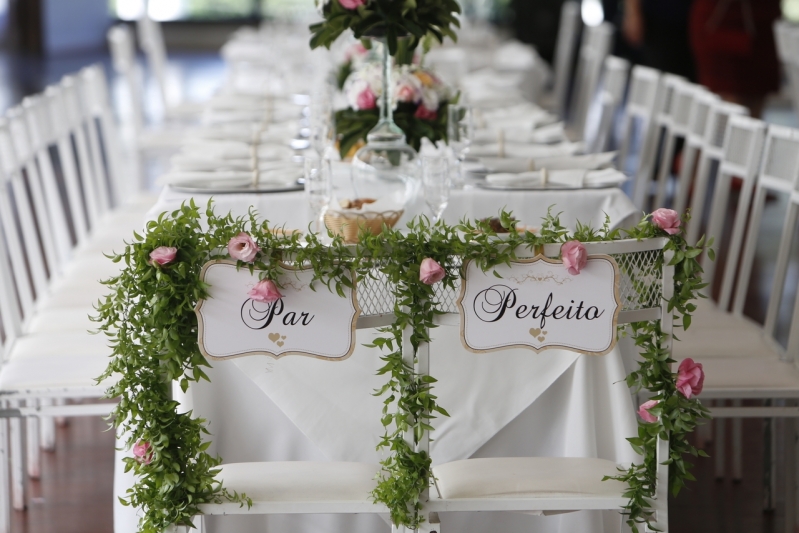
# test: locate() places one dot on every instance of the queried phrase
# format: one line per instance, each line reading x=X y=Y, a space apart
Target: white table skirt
x=510 y=403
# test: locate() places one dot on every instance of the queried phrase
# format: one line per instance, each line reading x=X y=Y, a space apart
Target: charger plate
x=234 y=187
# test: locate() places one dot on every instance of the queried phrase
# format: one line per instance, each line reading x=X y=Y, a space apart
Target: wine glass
x=459 y=135
x=318 y=188
x=436 y=184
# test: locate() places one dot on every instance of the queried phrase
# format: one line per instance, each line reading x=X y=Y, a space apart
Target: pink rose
x=358 y=49
x=431 y=272
x=351 y=4
x=423 y=113
x=690 y=378
x=163 y=255
x=574 y=256
x=366 y=99
x=142 y=452
x=667 y=219
x=265 y=291
x=644 y=413
x=243 y=247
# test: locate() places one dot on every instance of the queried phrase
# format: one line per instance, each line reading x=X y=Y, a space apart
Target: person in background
x=658 y=29
x=733 y=42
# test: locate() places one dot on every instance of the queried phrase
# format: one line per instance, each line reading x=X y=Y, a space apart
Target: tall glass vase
x=387 y=167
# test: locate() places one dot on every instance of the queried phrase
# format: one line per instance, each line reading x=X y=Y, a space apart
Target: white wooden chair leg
x=47 y=429
x=17 y=469
x=769 y=463
x=431 y=525
x=32 y=447
x=737 y=446
x=718 y=443
x=790 y=475
x=62 y=421
x=5 y=496
x=704 y=432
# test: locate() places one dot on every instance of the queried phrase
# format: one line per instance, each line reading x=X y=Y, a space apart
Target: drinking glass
x=318 y=188
x=459 y=134
x=436 y=184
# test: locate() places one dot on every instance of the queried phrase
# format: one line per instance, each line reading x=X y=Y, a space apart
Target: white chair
x=568 y=33
x=602 y=114
x=594 y=48
x=539 y=484
x=638 y=124
x=786 y=37
x=742 y=359
x=712 y=152
x=677 y=128
x=701 y=106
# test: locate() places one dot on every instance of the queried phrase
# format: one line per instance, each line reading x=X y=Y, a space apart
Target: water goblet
x=459 y=135
x=436 y=184
x=318 y=190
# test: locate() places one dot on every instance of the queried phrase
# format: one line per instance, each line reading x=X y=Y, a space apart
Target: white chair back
x=701 y=105
x=712 y=152
x=595 y=47
x=602 y=115
x=151 y=41
x=779 y=173
x=568 y=32
x=638 y=118
x=123 y=58
x=743 y=147
x=786 y=36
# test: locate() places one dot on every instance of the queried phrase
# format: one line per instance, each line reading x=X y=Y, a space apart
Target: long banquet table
x=509 y=403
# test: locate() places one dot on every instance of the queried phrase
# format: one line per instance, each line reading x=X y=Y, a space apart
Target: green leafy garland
x=393 y=19
x=149 y=317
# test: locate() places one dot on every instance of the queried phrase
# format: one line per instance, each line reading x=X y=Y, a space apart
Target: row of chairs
x=65 y=199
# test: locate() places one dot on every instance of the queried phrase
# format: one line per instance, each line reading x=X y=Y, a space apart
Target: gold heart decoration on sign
x=535 y=332
x=280 y=343
x=274 y=337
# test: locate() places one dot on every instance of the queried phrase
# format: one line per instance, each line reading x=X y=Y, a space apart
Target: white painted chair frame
x=595 y=47
x=568 y=33
x=607 y=104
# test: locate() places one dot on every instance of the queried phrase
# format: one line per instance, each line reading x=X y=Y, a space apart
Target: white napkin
x=570 y=178
x=549 y=134
x=526 y=150
x=234 y=149
x=588 y=161
x=184 y=162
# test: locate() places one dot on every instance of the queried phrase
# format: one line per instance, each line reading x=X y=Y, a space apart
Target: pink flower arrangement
x=163 y=255
x=667 y=219
x=366 y=99
x=422 y=113
x=351 y=4
x=431 y=272
x=574 y=257
x=142 y=452
x=690 y=378
x=265 y=291
x=643 y=411
x=243 y=248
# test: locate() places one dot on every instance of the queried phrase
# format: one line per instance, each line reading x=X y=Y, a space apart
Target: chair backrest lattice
x=568 y=33
x=602 y=114
x=123 y=58
x=595 y=47
x=786 y=37
x=641 y=105
x=701 y=105
x=151 y=41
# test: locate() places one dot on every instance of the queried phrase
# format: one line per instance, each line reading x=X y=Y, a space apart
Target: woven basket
x=349 y=225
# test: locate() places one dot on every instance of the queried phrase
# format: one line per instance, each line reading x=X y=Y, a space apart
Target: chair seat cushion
x=301 y=481
x=719 y=334
x=53 y=372
x=63 y=320
x=527 y=477
x=766 y=375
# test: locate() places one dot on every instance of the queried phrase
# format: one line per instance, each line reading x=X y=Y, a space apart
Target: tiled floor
x=75 y=491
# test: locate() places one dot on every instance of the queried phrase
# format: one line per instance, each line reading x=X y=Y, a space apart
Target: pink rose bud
x=431 y=272
x=163 y=255
x=351 y=4
x=422 y=113
x=243 y=248
x=366 y=99
x=644 y=413
x=142 y=452
x=667 y=219
x=574 y=256
x=265 y=291
x=690 y=378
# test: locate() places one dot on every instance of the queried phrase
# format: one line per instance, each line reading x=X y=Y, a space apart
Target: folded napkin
x=222 y=149
x=184 y=162
x=524 y=164
x=525 y=150
x=567 y=178
x=549 y=134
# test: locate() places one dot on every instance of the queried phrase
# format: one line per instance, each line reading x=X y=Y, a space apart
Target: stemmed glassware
x=436 y=184
x=318 y=189
x=459 y=135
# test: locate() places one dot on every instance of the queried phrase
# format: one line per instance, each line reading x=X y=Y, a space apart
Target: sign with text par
x=537 y=304
x=316 y=323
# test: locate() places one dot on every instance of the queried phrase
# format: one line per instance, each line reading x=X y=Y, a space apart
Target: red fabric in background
x=730 y=59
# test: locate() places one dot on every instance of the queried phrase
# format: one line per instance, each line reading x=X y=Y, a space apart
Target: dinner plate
x=234 y=187
x=542 y=187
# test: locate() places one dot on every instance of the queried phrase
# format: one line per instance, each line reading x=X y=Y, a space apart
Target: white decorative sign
x=537 y=304
x=316 y=323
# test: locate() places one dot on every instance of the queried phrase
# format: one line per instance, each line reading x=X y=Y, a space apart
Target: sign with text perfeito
x=316 y=323
x=537 y=304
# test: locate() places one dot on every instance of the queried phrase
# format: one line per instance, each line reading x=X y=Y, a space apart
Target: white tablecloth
x=510 y=403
